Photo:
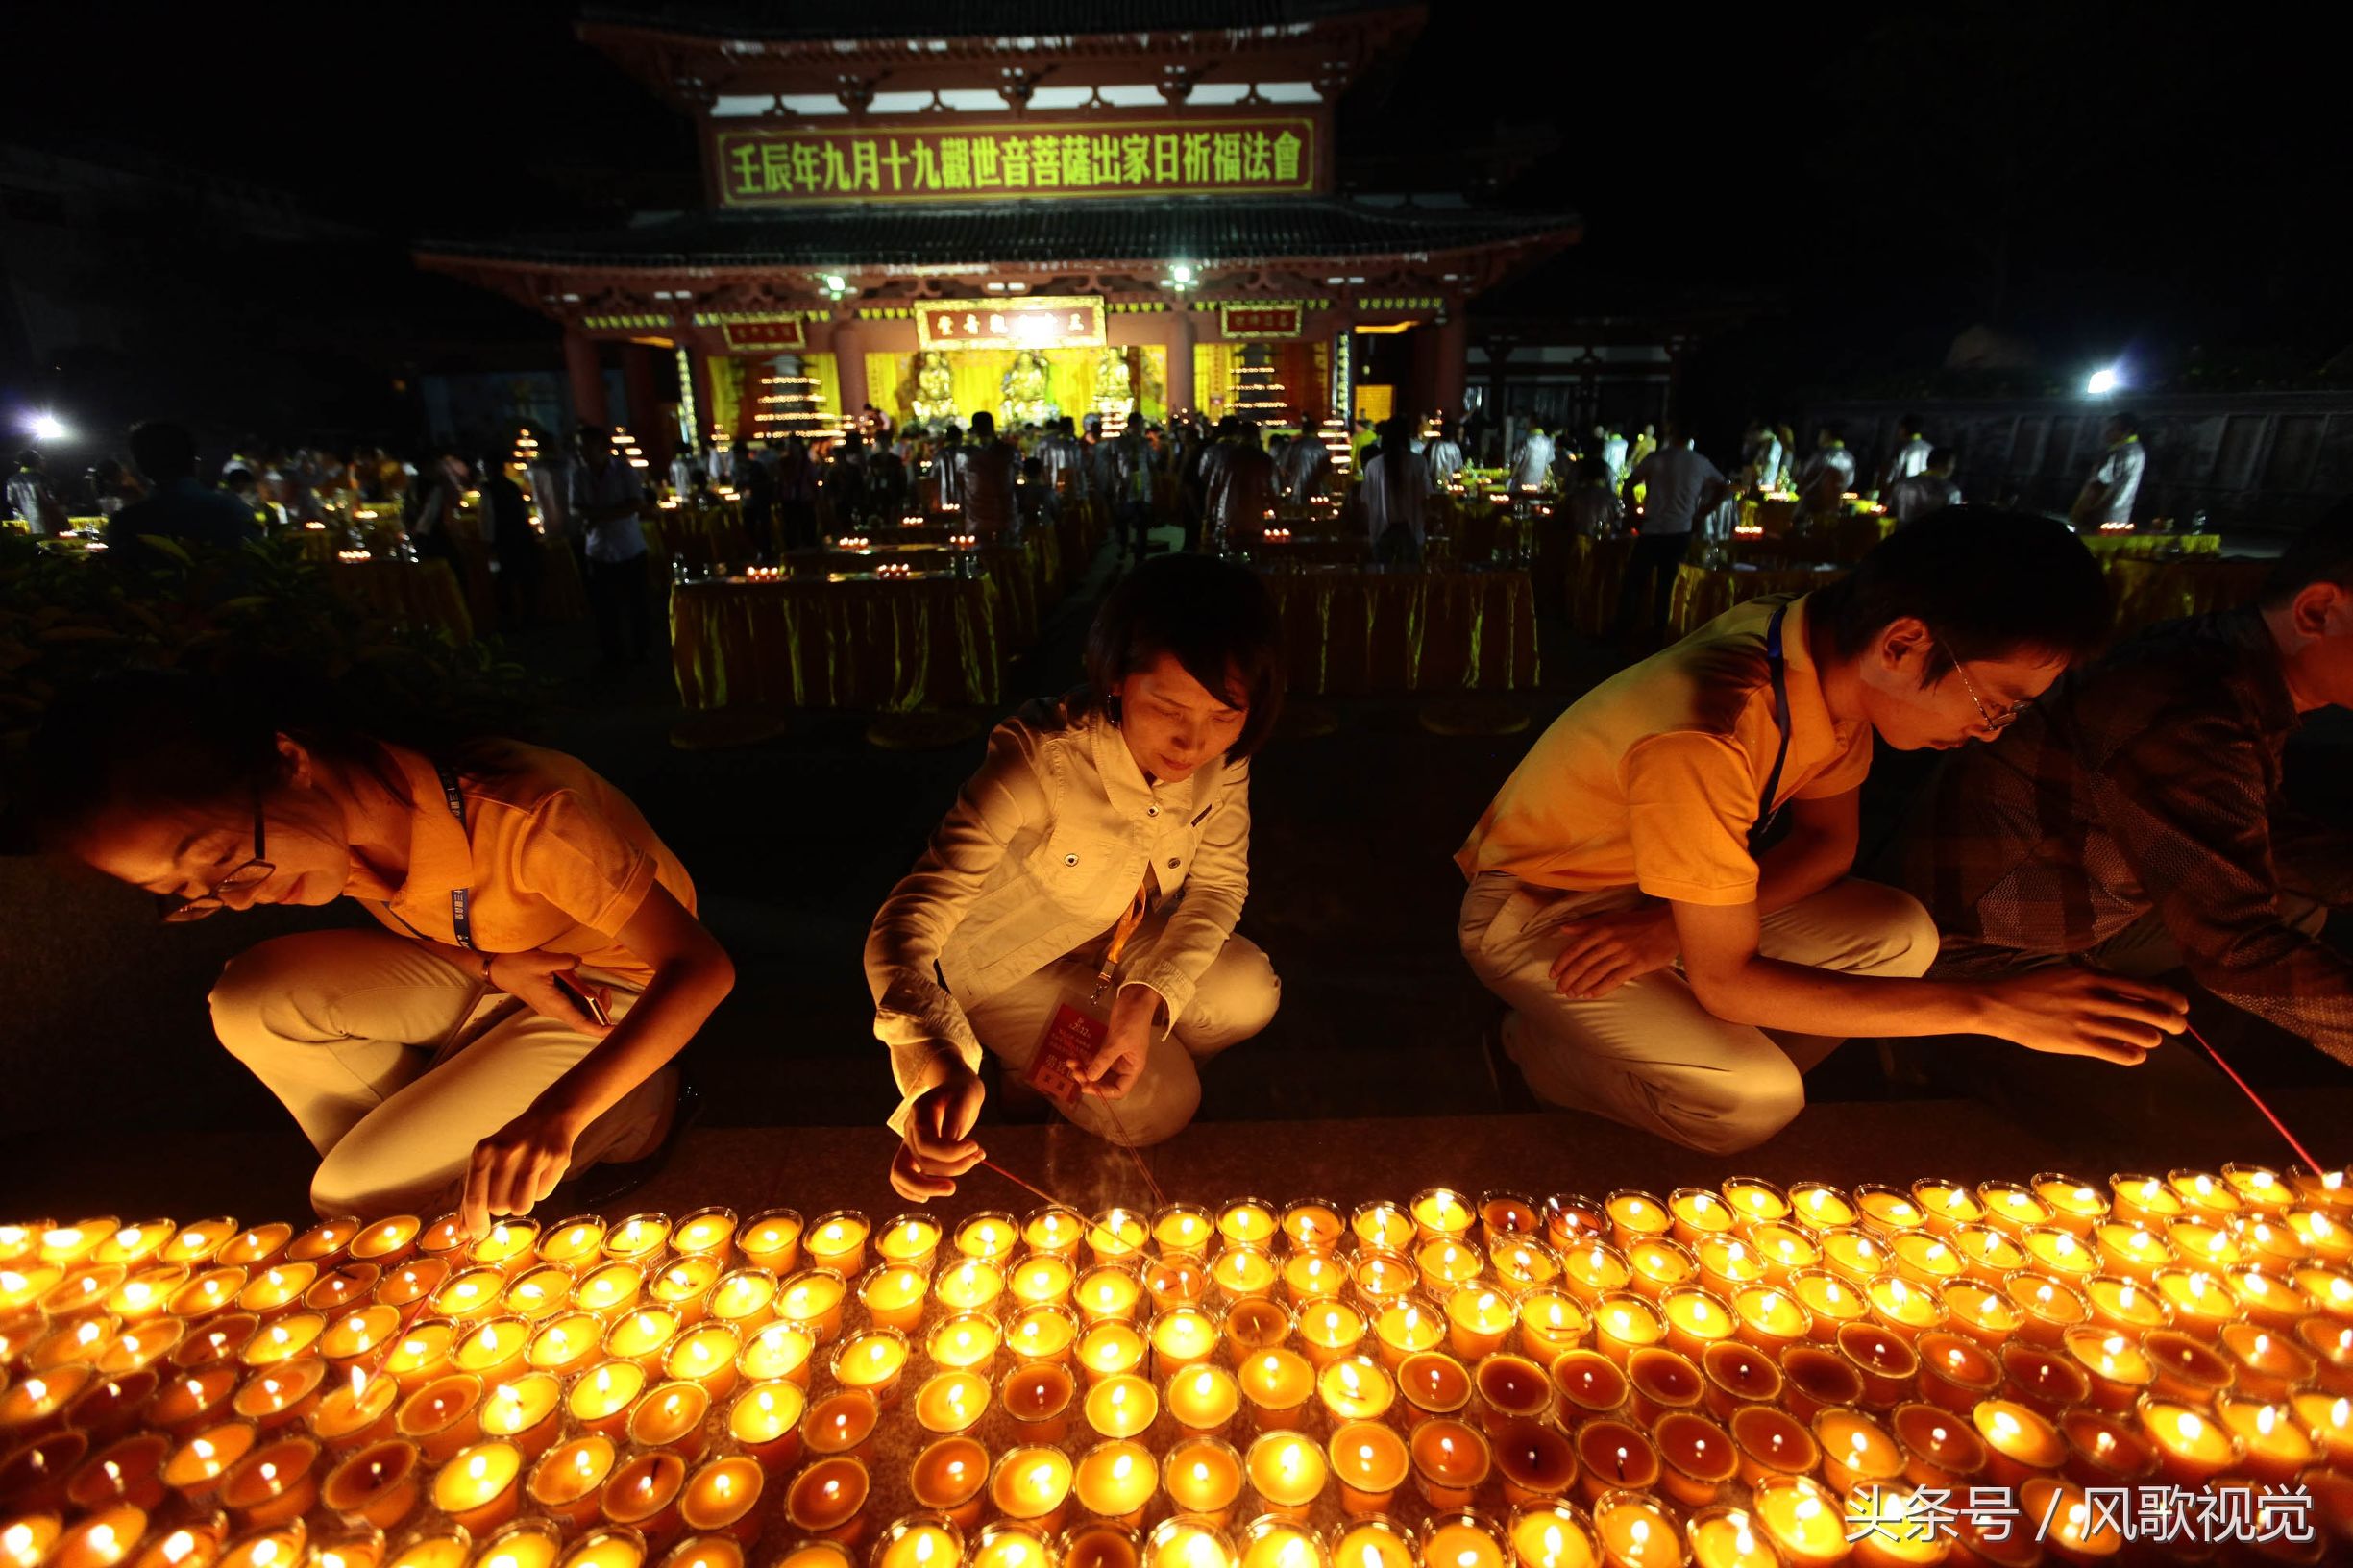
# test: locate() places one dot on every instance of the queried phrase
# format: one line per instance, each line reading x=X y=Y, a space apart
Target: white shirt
x=1445 y=460
x=1613 y=457
x=1532 y=464
x=1765 y=460
x=1409 y=506
x=1826 y=477
x=28 y=494
x=1915 y=495
x=2120 y=472
x=1912 y=457
x=621 y=539
x=1673 y=478
x=1063 y=455
x=1041 y=853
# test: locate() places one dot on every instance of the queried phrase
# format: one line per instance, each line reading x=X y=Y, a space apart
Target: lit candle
x=1477 y=1320
x=748 y=1298
x=1771 y=1319
x=2142 y=1200
x=192 y=1398
x=254 y=1248
x=706 y=1233
x=1695 y=1320
x=1784 y=1249
x=1121 y=1406
x=841 y=1423
x=609 y=1548
x=1988 y=1254
x=379 y=1483
x=1902 y=1308
x=574 y=1243
x=510 y=1245
x=1314 y=1225
x=104 y=1540
x=1817 y=1378
x=1925 y=1258
x=921 y=1541
x=1512 y=1386
x=2268 y=1301
x=1855 y=1449
x=2104 y=1452
x=1738 y=1375
x=638 y=1239
x=25 y=1542
x=672 y=1416
x=1116 y=1481
x=346 y=1287
x=2019 y=1442
x=1203 y=1476
x=1442 y=1213
x=812 y=1301
x=724 y=1497
x=195 y=1468
x=412 y=1282
x=1623 y=1323
x=1551 y=1325
x=566 y=1482
x=1613 y=1454
x=2116 y=1370
x=1662 y=1381
x=1116 y=1234
x=1042 y=1334
x=1554 y=1535
x=1186 y=1541
x=1802 y=1519
x=1696 y=1458
x=2191 y=1447
x=1954 y=1372
x=1726 y=1262
x=771 y=1240
x=129 y=1470
x=1032 y=1485
x=443 y=1417
x=274 y=1483
x=359 y=1335
x=967 y=1342
x=1383 y=1227
x=2186 y=1368
x=872 y=1362
x=2068 y=1525
x=1313 y=1276
x=2204 y=1194
x=388 y=1243
x=464 y=1298
x=948 y=1478
x=2276 y=1442
x=1460 y=1539
x=601 y=1400
x=1011 y=1544
x=2131 y=1251
x=1109 y=1348
x=1180 y=1339
x=530 y=1543
x=1698 y=1212
x=1830 y=1303
x=1855 y=1256
x=203 y=1294
x=970 y=1284
x=990 y=1238
x=643 y=1495
x=1107 y=1294
x=684 y=1287
x=291 y=1336
x=780 y=1350
x=271 y=1397
x=1332 y=1331
x=1590 y=1381
x=1286 y=1471
x=1434 y=1384
x=1046 y=1280
x=2050 y=1307
x=494 y=1350
x=952 y=1402
x=2268 y=1364
x=1594 y=1269
x=1356 y=1389
x=1203 y=1400
x=2196 y=1300
x=765 y=1419
x=1940 y=1449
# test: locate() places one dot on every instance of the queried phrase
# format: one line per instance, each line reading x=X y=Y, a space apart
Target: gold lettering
x=984 y=160
x=956 y=162
x=1164 y=157
x=1286 y=157
x=1013 y=159
x=1077 y=161
x=1045 y=160
x=1258 y=156
x=1226 y=159
x=1196 y=158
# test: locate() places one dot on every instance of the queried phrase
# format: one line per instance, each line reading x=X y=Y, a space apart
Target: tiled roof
x=1202 y=230
x=807 y=19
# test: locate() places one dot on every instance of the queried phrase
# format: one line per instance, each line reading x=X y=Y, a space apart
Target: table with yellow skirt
x=1042 y=547
x=1357 y=631
x=2151 y=546
x=880 y=644
x=2143 y=591
x=1702 y=593
x=1011 y=566
x=1297 y=550
x=1594 y=575
x=700 y=536
x=410 y=593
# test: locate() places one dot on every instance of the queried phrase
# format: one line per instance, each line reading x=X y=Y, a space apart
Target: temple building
x=1084 y=207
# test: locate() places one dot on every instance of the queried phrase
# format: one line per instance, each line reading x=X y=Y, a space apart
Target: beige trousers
x=1236 y=999
x=1649 y=1054
x=396 y=1063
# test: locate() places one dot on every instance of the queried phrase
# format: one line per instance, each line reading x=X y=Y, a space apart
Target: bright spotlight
x=45 y=427
x=2102 y=383
x=1180 y=273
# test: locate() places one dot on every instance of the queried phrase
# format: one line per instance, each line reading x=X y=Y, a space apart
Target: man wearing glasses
x=1673 y=964
x=2134 y=820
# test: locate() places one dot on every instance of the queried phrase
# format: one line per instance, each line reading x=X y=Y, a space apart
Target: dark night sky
x=2100 y=178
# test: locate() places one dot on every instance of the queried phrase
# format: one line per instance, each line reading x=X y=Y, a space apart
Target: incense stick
x=1160 y=1199
x=2269 y=1115
x=1037 y=1191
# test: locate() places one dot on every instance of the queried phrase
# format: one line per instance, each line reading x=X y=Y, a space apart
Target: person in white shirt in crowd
x=1306 y=462
x=1911 y=454
x=1678 y=488
x=1826 y=477
x=550 y=475
x=31 y=498
x=1760 y=457
x=1531 y=465
x=1065 y=460
x=1095 y=865
x=1930 y=490
x=1395 y=494
x=1611 y=449
x=1444 y=457
x=2108 y=495
x=606 y=499
x=1591 y=507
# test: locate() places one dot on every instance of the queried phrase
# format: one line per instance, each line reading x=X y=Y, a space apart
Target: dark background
x=2155 y=184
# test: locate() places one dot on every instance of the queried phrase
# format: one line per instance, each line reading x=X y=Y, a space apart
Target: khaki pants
x=1236 y=999
x=1648 y=1054
x=396 y=1063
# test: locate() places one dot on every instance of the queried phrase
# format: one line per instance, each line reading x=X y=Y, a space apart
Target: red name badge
x=1071 y=1043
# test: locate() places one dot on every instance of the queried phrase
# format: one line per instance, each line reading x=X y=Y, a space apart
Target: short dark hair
x=1911 y=424
x=2324 y=553
x=1943 y=456
x=984 y=423
x=163 y=450
x=2131 y=422
x=1988 y=584
x=1215 y=617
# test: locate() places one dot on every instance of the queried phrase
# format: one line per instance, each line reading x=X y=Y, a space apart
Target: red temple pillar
x=1452 y=365
x=706 y=412
x=850 y=370
x=1180 y=343
x=657 y=435
x=587 y=378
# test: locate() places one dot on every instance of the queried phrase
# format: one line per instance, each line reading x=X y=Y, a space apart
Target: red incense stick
x=2269 y=1115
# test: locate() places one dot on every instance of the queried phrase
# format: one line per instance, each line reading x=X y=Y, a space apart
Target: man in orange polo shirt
x=1666 y=969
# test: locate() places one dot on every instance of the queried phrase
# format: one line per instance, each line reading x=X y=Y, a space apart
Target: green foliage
x=241 y=613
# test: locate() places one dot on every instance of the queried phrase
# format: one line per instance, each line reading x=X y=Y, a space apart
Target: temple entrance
x=1018 y=386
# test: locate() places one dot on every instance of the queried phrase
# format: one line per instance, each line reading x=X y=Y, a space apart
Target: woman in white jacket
x=1097 y=862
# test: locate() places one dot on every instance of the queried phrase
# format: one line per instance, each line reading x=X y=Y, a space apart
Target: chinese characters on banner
x=1262 y=320
x=1259 y=155
x=764 y=335
x=1039 y=321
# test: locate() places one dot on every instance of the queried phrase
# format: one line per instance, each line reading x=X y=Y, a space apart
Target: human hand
x=2068 y=1010
x=938 y=1147
x=1119 y=1061
x=1602 y=952
x=516 y=1166
x=545 y=984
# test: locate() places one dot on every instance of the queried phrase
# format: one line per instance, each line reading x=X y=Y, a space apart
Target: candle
x=599 y=1402
x=1623 y=1324
x=1203 y=1400
x=638 y=1239
x=1186 y=1541
x=412 y=1282
x=1697 y=1213
x=196 y=1467
x=1729 y=1537
x=841 y=1423
x=1182 y=1227
x=1046 y=1280
x=103 y=1539
x=1258 y=1323
x=1613 y=1454
x=2268 y=1299
x=1116 y=1480
x=1287 y=1471
x=1121 y=1406
x=1696 y=1458
x=672 y=1416
x=1590 y=1381
x=1182 y=1279
x=1109 y=1348
x=1332 y=1331
x=271 y=1397
x=1053 y=1231
x=2104 y=1452
x=443 y=1417
x=643 y=1495
x=1955 y=1373
x=1116 y=1234
x=1855 y=1449
x=2330 y=1420
x=25 y=1542
x=1042 y=1334
x=1802 y=1520
x=2191 y=1447
x=274 y=1483
x=1726 y=1262
x=1371 y=1461
x=684 y=1287
x=608 y=1548
x=2186 y=1369
x=771 y=1240
x=530 y=1543
x=1925 y=1258
x=812 y=1301
x=2266 y=1364
x=948 y=1477
x=2019 y=1442
x=379 y=1483
x=1533 y=1458
x=1460 y=1540
x=1634 y=1532
x=1203 y=1476
x=970 y=1284
x=921 y=1541
x=724 y=1496
x=1313 y=1276
x=766 y=1420
x=1695 y=1320
x=1771 y=1443
x=1383 y=1227
x=748 y=1298
x=1830 y=1301
x=1279 y=1543
x=127 y=1471
x=1939 y=1448
x=1662 y=1381
x=1442 y=1213
x=643 y=1337
x=2043 y=1379
x=571 y=1244
x=967 y=1342
x=2275 y=1441
x=871 y=1361
x=203 y=1294
x=291 y=1336
x=463 y=1298
x=359 y=1335
x=1315 y=1225
x=2068 y=1523
x=782 y=1350
x=1182 y=1338
x=1770 y=1318
x=1512 y=1386
x=1032 y=1485
x=194 y=1398
x=1736 y=1375
x=568 y=1344
x=2050 y=1307
x=2142 y=1200
x=1107 y=1294
x=952 y=1402
x=2118 y=1371
x=103 y=1408
x=566 y=1482
x=1551 y=1324
x=1554 y=1535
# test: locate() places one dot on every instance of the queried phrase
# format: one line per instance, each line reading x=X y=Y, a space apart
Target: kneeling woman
x=540 y=961
x=1098 y=860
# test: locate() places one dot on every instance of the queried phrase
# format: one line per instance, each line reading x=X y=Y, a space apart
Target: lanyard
x=1766 y=810
x=1119 y=934
x=461 y=920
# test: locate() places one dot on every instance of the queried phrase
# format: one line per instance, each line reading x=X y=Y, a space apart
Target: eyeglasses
x=1995 y=719
x=251 y=874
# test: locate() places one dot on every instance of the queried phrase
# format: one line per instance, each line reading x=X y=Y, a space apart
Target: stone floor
x=794 y=842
